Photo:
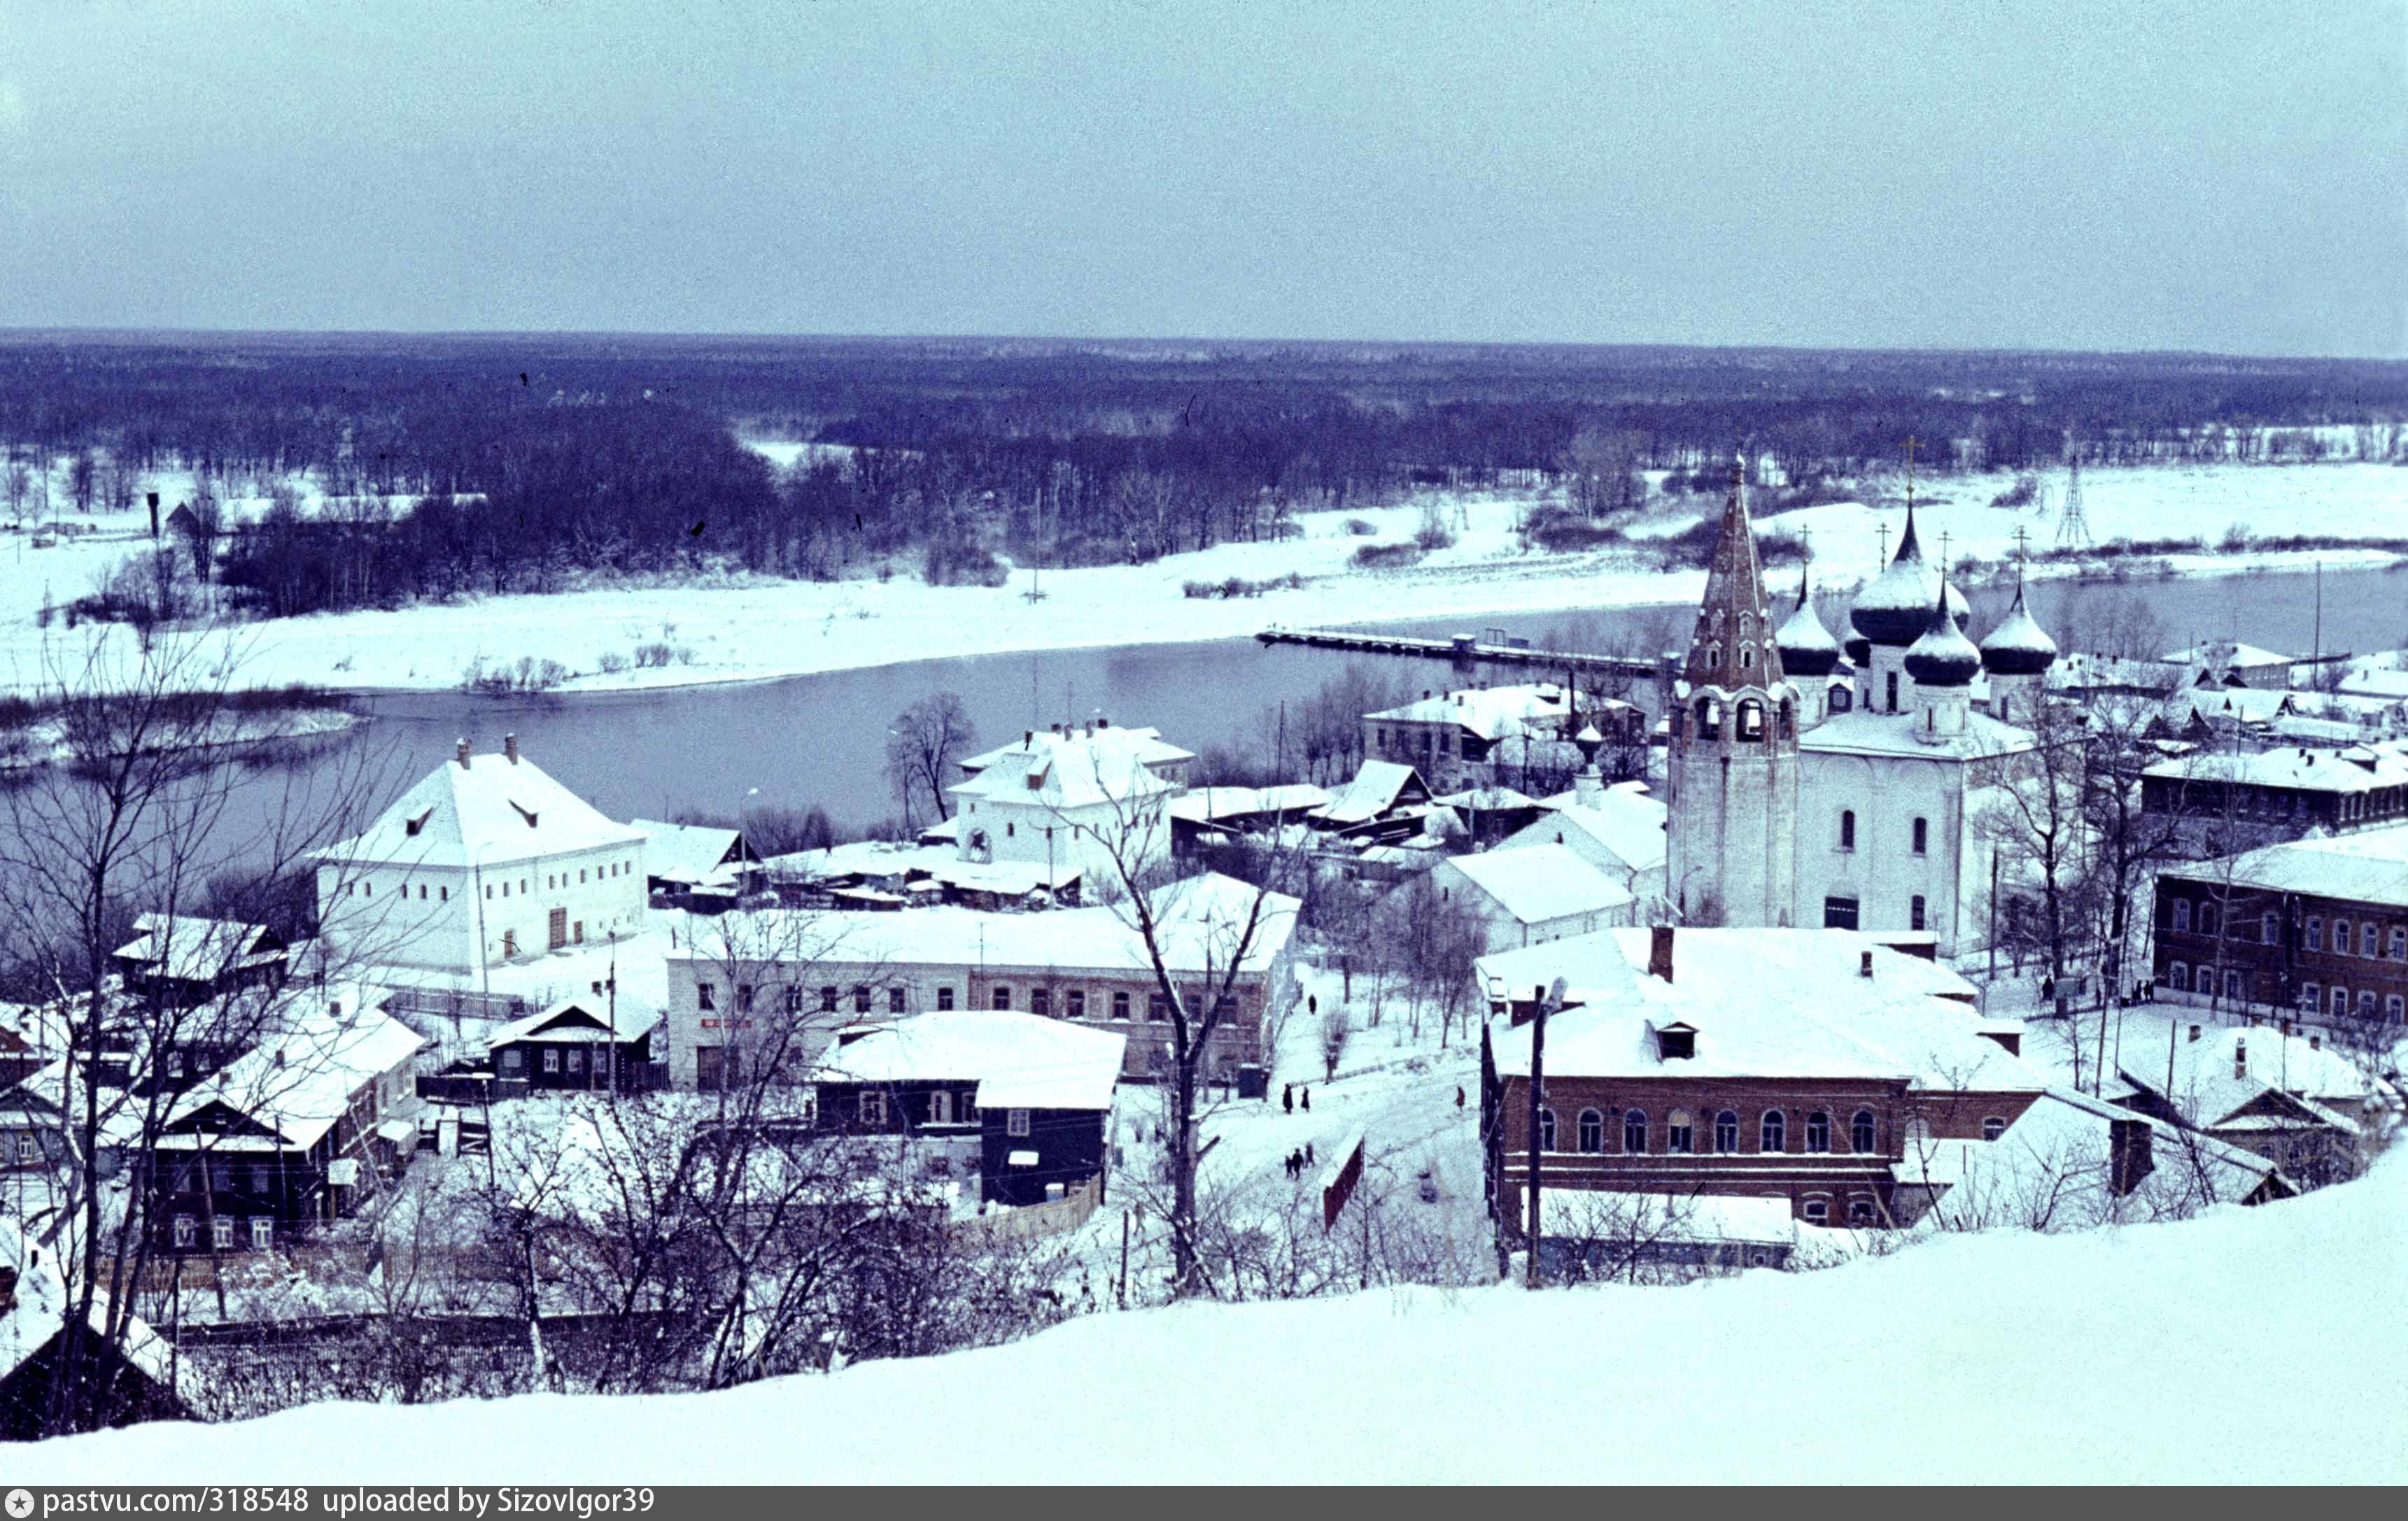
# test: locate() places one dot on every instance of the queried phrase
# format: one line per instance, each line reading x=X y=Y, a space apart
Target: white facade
x=486 y=860
x=1079 y=803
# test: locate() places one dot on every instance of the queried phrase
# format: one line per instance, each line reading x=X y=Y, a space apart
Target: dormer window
x=414 y=825
x=1676 y=1043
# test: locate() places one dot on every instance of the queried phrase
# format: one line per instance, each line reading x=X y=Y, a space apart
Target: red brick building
x=1750 y=1066
x=2311 y=928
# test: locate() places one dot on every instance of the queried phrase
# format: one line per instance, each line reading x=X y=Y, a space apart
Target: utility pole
x=1538 y=1080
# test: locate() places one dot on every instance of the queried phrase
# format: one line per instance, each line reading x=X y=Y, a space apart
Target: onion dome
x=1942 y=656
x=1860 y=650
x=1807 y=647
x=2018 y=646
x=1895 y=607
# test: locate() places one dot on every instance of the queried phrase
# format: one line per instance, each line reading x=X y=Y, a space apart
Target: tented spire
x=1733 y=644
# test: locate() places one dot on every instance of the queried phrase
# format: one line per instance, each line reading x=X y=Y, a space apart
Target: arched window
x=1634 y=1131
x=1747 y=654
x=1818 y=1131
x=1751 y=719
x=1860 y=1132
x=1772 y=1134
x=1914 y=913
x=2366 y=941
x=1680 y=1138
x=1843 y=699
x=1860 y=1210
x=1847 y=828
x=1709 y=719
x=1993 y=1127
x=1746 y=626
x=1714 y=654
x=1592 y=1132
x=1546 y=1128
x=1922 y=836
x=1818 y=1211
x=1726 y=1131
x=2341 y=931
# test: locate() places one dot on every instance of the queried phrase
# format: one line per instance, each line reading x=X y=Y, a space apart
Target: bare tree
x=926 y=740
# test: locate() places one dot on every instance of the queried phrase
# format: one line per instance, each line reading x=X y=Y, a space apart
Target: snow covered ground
x=2134 y=1365
x=742 y=627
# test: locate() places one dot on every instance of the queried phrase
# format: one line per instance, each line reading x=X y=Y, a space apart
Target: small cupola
x=1942 y=656
x=1807 y=647
x=2018 y=646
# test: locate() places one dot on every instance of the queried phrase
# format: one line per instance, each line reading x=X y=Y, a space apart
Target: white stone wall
x=443 y=918
x=1883 y=873
x=1732 y=850
x=1080 y=837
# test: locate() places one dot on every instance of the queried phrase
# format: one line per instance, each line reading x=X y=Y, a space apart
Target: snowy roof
x=685 y=852
x=1491 y=712
x=488 y=810
x=198 y=950
x=2357 y=768
x=1536 y=883
x=1072 y=768
x=2226 y=655
x=2391 y=685
x=2084 y=668
x=1894 y=608
x=1628 y=824
x=2233 y=704
x=43 y=1302
x=2050 y=1168
x=1488 y=798
x=2366 y=866
x=1373 y=792
x=2228 y=1068
x=1942 y=656
x=1019 y=1061
x=1768 y=1003
x=2018 y=646
x=1199 y=921
x=1203 y=804
x=1143 y=746
x=1864 y=732
x=577 y=1021
x=299 y=1081
x=1807 y=647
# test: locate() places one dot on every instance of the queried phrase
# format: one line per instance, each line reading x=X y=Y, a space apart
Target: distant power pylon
x=2072 y=528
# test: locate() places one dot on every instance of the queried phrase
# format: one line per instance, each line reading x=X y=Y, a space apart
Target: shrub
x=2022 y=494
x=1387 y=556
x=1361 y=528
x=1560 y=531
x=653 y=655
x=610 y=663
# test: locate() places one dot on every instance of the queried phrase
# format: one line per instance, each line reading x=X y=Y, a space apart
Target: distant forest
x=498 y=464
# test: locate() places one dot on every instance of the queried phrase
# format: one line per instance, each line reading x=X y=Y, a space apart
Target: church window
x=1847 y=828
x=1751 y=720
x=1709 y=719
x=1860 y=1132
x=1746 y=626
x=1915 y=914
x=1786 y=719
x=1772 y=1132
x=1634 y=1131
x=1714 y=655
x=1818 y=1131
x=1843 y=699
x=1922 y=836
x=1747 y=654
x=1893 y=691
x=1592 y=1132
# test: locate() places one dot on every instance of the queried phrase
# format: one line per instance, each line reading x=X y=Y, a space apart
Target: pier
x=1497 y=650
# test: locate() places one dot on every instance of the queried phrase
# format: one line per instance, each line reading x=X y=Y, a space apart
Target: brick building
x=1744 y=1066
x=2308 y=928
x=2216 y=804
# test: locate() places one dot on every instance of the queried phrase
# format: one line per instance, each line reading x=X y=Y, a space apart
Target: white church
x=1804 y=790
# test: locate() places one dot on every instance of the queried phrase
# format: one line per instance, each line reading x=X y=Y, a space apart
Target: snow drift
x=2244 y=1346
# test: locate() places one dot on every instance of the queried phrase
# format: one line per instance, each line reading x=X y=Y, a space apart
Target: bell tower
x=1731 y=857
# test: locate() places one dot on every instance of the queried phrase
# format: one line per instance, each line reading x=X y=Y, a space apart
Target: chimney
x=510 y=747
x=1659 y=953
x=1102 y=723
x=2130 y=1158
x=2239 y=1058
x=1865 y=965
x=462 y=755
x=1027 y=738
x=2316 y=1042
x=2194 y=1032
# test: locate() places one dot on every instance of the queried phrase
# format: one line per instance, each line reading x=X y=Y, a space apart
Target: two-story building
x=777 y=986
x=2220 y=803
x=287 y=1135
x=1518 y=736
x=1082 y=803
x=1749 y=1063
x=486 y=860
x=2309 y=929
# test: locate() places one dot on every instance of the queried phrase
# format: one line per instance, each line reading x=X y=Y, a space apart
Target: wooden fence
x=1054 y=1217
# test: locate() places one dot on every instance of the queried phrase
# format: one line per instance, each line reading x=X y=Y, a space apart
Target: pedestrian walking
x=1305 y=1098
x=1287 y=1097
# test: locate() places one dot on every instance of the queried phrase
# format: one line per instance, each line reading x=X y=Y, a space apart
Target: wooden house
x=1036 y=1092
x=187 y=961
x=119 y=1382
x=579 y=1043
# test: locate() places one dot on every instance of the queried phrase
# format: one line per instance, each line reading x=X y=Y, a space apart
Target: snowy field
x=2127 y=1364
x=743 y=627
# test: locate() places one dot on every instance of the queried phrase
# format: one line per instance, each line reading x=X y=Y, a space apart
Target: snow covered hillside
x=719 y=627
x=2245 y=1346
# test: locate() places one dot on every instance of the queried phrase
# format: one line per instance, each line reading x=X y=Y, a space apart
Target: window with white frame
x=1634 y=1131
x=1015 y=1121
x=1818 y=1210
x=263 y=1232
x=1862 y=1132
x=184 y=1231
x=2370 y=939
x=1993 y=1127
x=2341 y=1000
x=1772 y=1131
x=1818 y=1131
x=2182 y=914
x=2315 y=932
x=1592 y=1130
x=222 y=1232
x=873 y=1106
x=1726 y=1131
x=1680 y=1135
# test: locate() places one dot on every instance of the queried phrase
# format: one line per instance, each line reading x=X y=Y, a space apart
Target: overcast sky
x=2097 y=174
